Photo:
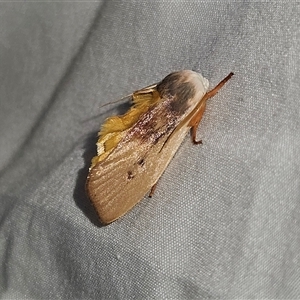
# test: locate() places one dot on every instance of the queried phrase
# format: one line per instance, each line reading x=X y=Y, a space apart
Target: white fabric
x=224 y=221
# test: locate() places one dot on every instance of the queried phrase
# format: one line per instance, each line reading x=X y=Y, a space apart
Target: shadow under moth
x=134 y=149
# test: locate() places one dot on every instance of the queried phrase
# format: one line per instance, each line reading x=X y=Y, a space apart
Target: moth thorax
x=183 y=88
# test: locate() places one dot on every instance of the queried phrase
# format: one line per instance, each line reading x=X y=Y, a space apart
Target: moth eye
x=141 y=162
x=130 y=175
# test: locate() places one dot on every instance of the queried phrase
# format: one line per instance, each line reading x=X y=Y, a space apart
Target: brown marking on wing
x=130 y=175
x=157 y=122
x=141 y=162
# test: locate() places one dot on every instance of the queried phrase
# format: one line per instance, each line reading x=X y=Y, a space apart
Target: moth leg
x=194 y=122
x=213 y=92
x=152 y=190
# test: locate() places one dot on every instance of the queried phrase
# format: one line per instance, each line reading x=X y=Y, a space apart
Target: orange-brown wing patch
x=115 y=128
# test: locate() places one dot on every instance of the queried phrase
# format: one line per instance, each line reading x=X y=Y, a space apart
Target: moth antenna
x=116 y=101
x=106 y=104
x=141 y=91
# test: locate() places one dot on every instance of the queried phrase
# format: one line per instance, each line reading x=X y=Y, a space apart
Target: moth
x=134 y=149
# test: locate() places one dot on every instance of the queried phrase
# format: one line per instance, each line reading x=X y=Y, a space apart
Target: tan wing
x=116 y=184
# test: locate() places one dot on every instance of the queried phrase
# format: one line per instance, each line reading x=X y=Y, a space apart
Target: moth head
x=184 y=89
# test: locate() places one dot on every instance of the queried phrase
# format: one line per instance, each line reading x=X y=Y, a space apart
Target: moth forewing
x=137 y=147
x=122 y=180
